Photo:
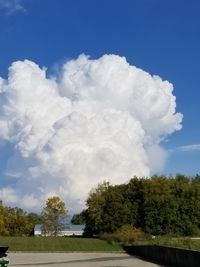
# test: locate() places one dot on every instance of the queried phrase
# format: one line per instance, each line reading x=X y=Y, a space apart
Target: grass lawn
x=57 y=244
x=87 y=244
x=179 y=242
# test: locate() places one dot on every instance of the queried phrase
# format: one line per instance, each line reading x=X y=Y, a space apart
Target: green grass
x=57 y=244
x=178 y=242
x=68 y=244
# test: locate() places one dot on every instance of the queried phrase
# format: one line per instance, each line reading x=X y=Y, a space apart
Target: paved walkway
x=76 y=260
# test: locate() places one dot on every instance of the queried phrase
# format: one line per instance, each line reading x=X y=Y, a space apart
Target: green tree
x=116 y=211
x=3 y=229
x=134 y=195
x=16 y=222
x=107 y=209
x=94 y=211
x=34 y=219
x=78 y=218
x=187 y=192
x=159 y=207
x=53 y=216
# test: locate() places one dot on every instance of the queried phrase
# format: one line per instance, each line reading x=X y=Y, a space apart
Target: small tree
x=78 y=218
x=53 y=216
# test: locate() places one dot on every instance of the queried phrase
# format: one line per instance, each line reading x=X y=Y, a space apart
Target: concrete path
x=76 y=260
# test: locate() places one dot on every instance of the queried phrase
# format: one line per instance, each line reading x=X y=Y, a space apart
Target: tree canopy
x=14 y=222
x=53 y=216
x=78 y=218
x=159 y=205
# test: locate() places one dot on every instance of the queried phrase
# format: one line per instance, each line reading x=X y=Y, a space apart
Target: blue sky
x=161 y=37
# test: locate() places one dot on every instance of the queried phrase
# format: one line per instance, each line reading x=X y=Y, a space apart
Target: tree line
x=159 y=206
x=16 y=222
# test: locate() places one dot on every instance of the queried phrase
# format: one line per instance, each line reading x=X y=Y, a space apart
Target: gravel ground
x=76 y=260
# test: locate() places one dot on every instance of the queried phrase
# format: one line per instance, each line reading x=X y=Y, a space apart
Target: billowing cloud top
x=98 y=120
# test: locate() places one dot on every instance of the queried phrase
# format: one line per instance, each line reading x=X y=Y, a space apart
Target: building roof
x=68 y=227
x=73 y=227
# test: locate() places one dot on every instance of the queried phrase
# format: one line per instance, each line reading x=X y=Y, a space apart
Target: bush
x=126 y=234
x=110 y=238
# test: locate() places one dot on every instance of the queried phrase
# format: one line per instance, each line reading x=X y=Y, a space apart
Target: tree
x=78 y=218
x=3 y=230
x=159 y=205
x=160 y=208
x=187 y=191
x=53 y=216
x=15 y=222
x=107 y=209
x=94 y=212
x=116 y=211
x=134 y=195
x=34 y=219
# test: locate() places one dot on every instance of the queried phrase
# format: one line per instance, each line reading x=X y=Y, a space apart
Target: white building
x=69 y=230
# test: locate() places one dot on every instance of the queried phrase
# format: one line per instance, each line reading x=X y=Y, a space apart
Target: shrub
x=126 y=234
x=110 y=238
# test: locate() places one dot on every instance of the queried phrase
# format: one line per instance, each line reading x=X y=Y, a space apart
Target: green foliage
x=94 y=213
x=34 y=218
x=17 y=222
x=159 y=205
x=127 y=234
x=53 y=215
x=107 y=209
x=14 y=222
x=78 y=219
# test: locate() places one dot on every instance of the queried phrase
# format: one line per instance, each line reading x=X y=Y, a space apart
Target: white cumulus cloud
x=98 y=120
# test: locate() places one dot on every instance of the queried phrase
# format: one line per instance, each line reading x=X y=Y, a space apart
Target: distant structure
x=69 y=230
